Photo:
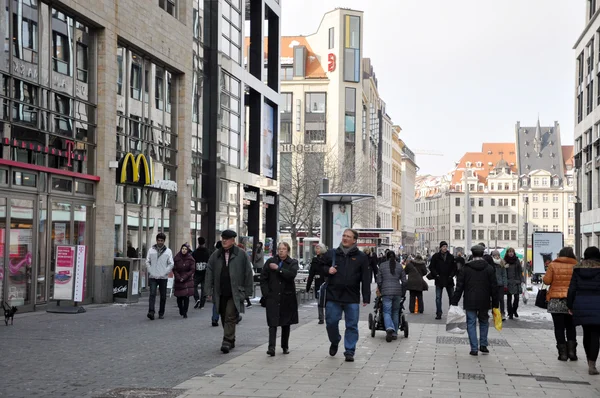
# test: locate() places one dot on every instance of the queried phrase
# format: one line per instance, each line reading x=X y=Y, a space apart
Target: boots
x=592 y=368
x=562 y=352
x=572 y=350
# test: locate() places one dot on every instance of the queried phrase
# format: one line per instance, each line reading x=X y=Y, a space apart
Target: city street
x=116 y=347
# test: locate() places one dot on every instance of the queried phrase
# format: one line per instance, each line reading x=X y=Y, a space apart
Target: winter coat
x=514 y=275
x=478 y=282
x=391 y=284
x=443 y=271
x=159 y=265
x=415 y=271
x=558 y=276
x=583 y=297
x=501 y=275
x=353 y=273
x=183 y=273
x=240 y=272
x=279 y=290
x=201 y=255
x=374 y=263
x=316 y=272
x=259 y=259
x=460 y=262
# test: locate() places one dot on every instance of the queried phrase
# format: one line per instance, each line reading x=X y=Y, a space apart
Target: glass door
x=60 y=234
x=21 y=253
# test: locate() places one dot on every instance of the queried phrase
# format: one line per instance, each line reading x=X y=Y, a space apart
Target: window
x=535 y=213
x=25 y=32
x=524 y=182
x=513 y=202
x=506 y=234
x=555 y=198
x=544 y=213
x=480 y=234
x=474 y=234
x=168 y=6
x=352 y=49
x=473 y=218
x=331 y=38
x=571 y=213
x=505 y=218
x=350 y=120
x=457 y=218
x=61 y=53
x=545 y=198
x=315 y=120
x=554 y=213
x=492 y=234
x=481 y=218
x=457 y=201
x=457 y=234
x=555 y=228
x=571 y=198
x=286 y=120
x=493 y=202
x=315 y=103
x=286 y=72
x=231 y=30
x=472 y=202
x=555 y=181
x=513 y=235
x=285 y=132
x=571 y=230
x=230 y=120
x=135 y=80
x=286 y=170
x=536 y=182
x=544 y=182
x=545 y=228
x=535 y=197
x=513 y=218
x=300 y=61
x=159 y=88
x=493 y=218
x=481 y=202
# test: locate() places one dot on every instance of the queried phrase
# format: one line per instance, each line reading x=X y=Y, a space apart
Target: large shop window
x=231 y=28
x=352 y=49
x=25 y=31
x=350 y=113
x=230 y=120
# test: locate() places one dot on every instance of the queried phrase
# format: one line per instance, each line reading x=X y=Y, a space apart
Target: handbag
x=540 y=298
x=323 y=288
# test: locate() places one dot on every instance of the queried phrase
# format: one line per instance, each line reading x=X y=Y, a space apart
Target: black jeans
x=416 y=295
x=562 y=323
x=591 y=341
x=501 y=299
x=512 y=303
x=162 y=287
x=285 y=336
x=183 y=303
x=199 y=280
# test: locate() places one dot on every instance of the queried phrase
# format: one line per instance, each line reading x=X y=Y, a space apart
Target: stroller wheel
x=372 y=325
x=405 y=327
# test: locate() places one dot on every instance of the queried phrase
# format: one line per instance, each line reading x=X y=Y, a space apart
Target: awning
x=345 y=197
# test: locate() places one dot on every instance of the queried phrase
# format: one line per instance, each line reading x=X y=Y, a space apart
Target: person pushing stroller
x=391 y=283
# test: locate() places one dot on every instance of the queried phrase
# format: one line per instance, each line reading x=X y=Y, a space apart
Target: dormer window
x=457 y=187
x=468 y=164
x=478 y=164
x=555 y=182
x=524 y=182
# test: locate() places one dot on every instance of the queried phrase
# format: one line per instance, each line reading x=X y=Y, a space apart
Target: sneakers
x=484 y=349
x=333 y=349
x=349 y=357
x=197 y=305
x=474 y=353
x=388 y=335
x=150 y=315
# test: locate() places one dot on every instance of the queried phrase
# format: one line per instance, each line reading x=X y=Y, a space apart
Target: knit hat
x=591 y=252
x=443 y=243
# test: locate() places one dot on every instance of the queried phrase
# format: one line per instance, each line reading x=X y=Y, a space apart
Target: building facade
x=103 y=143
x=408 y=177
x=396 y=189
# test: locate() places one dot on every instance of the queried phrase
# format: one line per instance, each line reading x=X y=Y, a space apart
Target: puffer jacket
x=558 y=276
x=391 y=284
x=583 y=297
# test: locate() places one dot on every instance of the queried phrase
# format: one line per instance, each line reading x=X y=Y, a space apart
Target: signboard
x=546 y=246
x=120 y=278
x=64 y=273
x=331 y=64
x=267 y=159
x=135 y=283
x=342 y=214
x=80 y=269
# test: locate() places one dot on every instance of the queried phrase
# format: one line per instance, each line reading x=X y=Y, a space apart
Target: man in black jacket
x=443 y=268
x=347 y=269
x=478 y=282
x=201 y=256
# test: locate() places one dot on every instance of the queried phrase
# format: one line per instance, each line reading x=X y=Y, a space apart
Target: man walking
x=228 y=281
x=443 y=268
x=159 y=264
x=347 y=269
x=478 y=282
x=201 y=256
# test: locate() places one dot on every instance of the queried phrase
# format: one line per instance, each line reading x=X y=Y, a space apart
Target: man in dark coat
x=478 y=282
x=348 y=270
x=201 y=256
x=279 y=290
x=443 y=268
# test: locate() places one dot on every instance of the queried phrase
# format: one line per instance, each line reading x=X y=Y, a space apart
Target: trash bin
x=126 y=280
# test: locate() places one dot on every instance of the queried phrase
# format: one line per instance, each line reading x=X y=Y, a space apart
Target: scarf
x=511 y=260
x=347 y=250
x=160 y=251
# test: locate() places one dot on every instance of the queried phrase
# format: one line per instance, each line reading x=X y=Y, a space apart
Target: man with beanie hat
x=478 y=281
x=443 y=268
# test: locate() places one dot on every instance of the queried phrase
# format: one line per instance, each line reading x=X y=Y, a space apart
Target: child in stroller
x=376 y=318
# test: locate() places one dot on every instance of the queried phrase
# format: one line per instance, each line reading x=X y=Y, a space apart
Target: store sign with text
x=64 y=272
x=302 y=148
x=135 y=170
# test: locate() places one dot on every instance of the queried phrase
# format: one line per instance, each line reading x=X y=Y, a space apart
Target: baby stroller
x=376 y=318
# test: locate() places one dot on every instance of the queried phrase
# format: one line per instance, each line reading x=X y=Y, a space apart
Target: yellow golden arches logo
x=122 y=270
x=141 y=172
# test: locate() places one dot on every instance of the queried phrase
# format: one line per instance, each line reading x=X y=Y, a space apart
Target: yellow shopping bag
x=497 y=319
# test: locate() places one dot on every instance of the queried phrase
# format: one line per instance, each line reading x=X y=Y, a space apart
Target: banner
x=546 y=246
x=342 y=214
x=80 y=269
x=120 y=278
x=63 y=273
x=267 y=159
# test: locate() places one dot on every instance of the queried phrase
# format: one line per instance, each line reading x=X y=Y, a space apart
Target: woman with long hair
x=391 y=280
x=183 y=274
x=415 y=271
x=514 y=276
x=501 y=278
x=558 y=276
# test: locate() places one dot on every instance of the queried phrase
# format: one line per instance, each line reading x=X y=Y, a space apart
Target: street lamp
x=525 y=226
x=496 y=244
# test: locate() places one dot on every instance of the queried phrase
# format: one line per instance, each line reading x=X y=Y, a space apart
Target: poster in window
x=63 y=275
x=342 y=214
x=60 y=231
x=267 y=160
x=546 y=246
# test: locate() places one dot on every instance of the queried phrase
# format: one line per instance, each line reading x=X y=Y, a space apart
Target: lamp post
x=496 y=244
x=525 y=226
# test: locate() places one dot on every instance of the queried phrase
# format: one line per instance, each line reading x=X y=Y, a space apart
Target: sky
x=455 y=74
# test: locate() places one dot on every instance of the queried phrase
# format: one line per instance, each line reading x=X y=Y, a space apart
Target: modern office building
x=107 y=139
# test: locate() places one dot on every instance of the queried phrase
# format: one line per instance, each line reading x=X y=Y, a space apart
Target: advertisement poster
x=268 y=247
x=135 y=283
x=342 y=214
x=546 y=246
x=80 y=274
x=60 y=233
x=267 y=141
x=120 y=278
x=64 y=272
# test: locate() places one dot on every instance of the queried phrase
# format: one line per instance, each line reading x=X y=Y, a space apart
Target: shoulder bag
x=323 y=287
x=540 y=298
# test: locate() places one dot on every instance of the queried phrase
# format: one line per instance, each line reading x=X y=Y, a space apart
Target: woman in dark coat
x=316 y=273
x=583 y=302
x=183 y=273
x=415 y=271
x=279 y=289
x=514 y=275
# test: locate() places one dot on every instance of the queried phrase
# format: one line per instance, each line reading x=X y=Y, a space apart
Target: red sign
x=331 y=65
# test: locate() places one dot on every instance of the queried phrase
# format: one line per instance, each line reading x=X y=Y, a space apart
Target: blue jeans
x=391 y=312
x=484 y=325
x=215 y=314
x=438 y=298
x=333 y=315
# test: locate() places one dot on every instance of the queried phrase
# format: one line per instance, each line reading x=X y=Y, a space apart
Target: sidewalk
x=429 y=363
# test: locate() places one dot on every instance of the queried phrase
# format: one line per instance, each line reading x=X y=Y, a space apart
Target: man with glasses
x=159 y=264
x=229 y=280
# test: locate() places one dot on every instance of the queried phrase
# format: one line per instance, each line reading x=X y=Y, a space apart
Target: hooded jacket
x=183 y=273
x=583 y=297
x=159 y=262
x=501 y=273
x=415 y=271
x=478 y=282
x=353 y=273
x=558 y=276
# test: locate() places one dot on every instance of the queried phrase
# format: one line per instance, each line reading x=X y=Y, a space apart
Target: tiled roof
x=568 y=155
x=539 y=149
x=490 y=155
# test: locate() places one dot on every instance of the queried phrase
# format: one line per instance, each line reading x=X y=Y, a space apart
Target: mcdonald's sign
x=122 y=270
x=135 y=170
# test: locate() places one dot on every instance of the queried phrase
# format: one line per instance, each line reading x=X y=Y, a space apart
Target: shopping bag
x=525 y=293
x=456 y=322
x=540 y=299
x=497 y=319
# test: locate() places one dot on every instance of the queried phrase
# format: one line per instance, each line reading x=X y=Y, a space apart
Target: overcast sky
x=457 y=73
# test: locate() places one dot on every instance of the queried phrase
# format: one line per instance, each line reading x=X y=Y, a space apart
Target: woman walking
x=279 y=289
x=391 y=280
x=502 y=279
x=316 y=273
x=183 y=273
x=583 y=301
x=415 y=271
x=514 y=275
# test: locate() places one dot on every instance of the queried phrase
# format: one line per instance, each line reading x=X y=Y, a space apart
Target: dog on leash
x=9 y=313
